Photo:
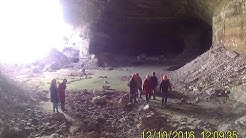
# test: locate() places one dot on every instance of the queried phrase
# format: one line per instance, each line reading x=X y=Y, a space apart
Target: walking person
x=62 y=87
x=147 y=88
x=54 y=96
x=139 y=84
x=154 y=83
x=165 y=88
x=133 y=89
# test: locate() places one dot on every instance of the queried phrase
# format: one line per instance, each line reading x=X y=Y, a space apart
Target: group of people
x=137 y=88
x=149 y=87
x=57 y=94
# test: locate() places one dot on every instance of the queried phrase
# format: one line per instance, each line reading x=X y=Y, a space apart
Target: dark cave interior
x=152 y=38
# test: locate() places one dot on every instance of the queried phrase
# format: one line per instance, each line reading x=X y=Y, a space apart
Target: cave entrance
x=171 y=36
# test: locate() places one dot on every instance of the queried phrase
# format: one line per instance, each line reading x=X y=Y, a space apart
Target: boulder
x=99 y=100
x=95 y=92
x=154 y=122
x=123 y=101
x=241 y=121
x=105 y=87
x=197 y=100
x=72 y=54
x=57 y=58
x=231 y=54
x=224 y=127
x=146 y=107
x=239 y=93
x=58 y=117
x=93 y=135
x=55 y=66
x=218 y=93
x=183 y=101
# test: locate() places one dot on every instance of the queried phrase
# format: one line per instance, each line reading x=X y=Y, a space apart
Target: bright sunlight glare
x=29 y=29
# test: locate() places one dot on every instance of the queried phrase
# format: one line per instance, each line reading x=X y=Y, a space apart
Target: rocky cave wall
x=229 y=25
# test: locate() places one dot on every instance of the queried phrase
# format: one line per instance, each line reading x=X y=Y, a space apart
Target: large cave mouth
x=153 y=28
x=153 y=38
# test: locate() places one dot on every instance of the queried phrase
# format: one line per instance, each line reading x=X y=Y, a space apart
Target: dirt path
x=205 y=115
x=47 y=107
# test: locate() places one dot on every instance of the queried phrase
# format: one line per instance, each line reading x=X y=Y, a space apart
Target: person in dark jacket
x=54 y=96
x=165 y=87
x=139 y=83
x=147 y=88
x=62 y=87
x=154 y=83
x=133 y=89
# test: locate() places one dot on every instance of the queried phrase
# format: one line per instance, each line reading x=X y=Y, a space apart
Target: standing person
x=54 y=98
x=62 y=87
x=139 y=84
x=164 y=87
x=133 y=89
x=154 y=83
x=147 y=88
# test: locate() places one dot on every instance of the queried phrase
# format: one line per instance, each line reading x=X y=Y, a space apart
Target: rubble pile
x=216 y=70
x=100 y=114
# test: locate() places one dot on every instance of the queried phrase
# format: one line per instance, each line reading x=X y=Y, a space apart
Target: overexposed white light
x=29 y=29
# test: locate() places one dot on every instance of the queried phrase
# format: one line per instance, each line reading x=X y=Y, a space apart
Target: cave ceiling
x=79 y=12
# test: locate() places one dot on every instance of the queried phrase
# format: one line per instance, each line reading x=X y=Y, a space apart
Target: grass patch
x=95 y=82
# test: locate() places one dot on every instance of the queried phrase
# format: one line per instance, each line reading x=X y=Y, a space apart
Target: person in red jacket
x=147 y=87
x=61 y=89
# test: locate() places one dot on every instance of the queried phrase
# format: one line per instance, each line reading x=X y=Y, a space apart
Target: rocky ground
x=209 y=95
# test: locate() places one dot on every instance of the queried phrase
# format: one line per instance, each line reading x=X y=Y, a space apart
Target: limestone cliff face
x=229 y=25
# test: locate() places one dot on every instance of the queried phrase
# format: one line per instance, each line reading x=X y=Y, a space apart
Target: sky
x=29 y=29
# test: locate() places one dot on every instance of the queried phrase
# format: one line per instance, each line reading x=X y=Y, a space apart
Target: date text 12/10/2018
x=189 y=134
